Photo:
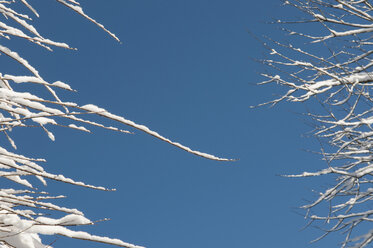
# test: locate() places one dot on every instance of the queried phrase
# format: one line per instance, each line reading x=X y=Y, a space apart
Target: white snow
x=22 y=212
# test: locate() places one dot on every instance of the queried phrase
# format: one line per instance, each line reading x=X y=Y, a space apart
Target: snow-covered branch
x=334 y=69
x=22 y=212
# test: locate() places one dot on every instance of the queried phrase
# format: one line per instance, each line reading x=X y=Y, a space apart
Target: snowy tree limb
x=22 y=212
x=334 y=69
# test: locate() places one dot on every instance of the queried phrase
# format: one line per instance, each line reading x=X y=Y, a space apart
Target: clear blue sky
x=184 y=70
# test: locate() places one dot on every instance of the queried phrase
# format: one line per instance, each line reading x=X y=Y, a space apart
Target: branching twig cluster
x=23 y=212
x=335 y=68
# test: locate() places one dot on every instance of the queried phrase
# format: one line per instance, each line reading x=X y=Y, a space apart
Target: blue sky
x=184 y=69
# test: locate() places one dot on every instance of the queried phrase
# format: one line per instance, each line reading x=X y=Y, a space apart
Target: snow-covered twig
x=334 y=69
x=22 y=219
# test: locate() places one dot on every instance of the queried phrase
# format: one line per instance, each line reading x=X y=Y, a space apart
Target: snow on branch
x=23 y=212
x=332 y=66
